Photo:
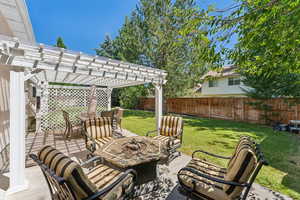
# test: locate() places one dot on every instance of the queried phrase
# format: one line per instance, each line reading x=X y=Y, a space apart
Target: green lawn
x=281 y=149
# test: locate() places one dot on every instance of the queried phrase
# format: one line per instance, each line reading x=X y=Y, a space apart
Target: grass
x=281 y=149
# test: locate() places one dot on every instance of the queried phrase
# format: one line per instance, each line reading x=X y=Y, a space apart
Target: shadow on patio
x=75 y=147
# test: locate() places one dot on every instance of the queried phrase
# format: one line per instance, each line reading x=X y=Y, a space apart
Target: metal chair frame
x=69 y=127
x=247 y=185
x=171 y=148
x=61 y=190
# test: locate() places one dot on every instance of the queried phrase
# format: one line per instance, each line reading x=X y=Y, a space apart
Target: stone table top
x=131 y=151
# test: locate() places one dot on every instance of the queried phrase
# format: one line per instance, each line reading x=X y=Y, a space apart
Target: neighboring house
x=226 y=82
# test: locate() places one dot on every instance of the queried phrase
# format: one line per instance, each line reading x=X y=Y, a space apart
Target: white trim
x=17 y=133
x=2 y=194
x=158 y=104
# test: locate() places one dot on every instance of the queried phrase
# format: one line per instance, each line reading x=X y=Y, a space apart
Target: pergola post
x=17 y=133
x=108 y=93
x=158 y=104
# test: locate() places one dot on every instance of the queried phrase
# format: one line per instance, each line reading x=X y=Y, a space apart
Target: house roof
x=15 y=21
x=223 y=72
x=44 y=63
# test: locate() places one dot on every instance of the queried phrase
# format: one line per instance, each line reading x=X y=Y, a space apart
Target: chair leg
x=65 y=133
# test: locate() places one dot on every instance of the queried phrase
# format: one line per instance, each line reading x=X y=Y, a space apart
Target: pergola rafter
x=60 y=61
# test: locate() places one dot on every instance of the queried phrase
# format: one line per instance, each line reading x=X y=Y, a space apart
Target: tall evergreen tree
x=159 y=34
x=60 y=43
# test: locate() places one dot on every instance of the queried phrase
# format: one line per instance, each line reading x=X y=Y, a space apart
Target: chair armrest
x=111 y=186
x=211 y=154
x=91 y=139
x=148 y=133
x=232 y=183
x=171 y=140
x=178 y=134
x=46 y=169
x=90 y=160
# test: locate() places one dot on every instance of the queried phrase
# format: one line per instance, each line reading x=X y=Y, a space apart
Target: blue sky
x=83 y=24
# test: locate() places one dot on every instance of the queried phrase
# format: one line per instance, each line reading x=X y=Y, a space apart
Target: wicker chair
x=170 y=132
x=70 y=128
x=67 y=180
x=97 y=132
x=203 y=180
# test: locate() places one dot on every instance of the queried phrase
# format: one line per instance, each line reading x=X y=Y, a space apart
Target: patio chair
x=97 y=132
x=70 y=128
x=204 y=180
x=116 y=115
x=66 y=179
x=170 y=132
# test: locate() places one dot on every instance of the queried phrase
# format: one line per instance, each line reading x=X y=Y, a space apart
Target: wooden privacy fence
x=232 y=108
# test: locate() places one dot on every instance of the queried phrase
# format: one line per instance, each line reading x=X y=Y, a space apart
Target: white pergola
x=45 y=64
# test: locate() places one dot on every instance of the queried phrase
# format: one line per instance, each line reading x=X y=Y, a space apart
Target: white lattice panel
x=71 y=99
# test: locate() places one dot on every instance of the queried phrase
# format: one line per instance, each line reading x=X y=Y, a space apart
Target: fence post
x=233 y=108
x=243 y=109
x=209 y=107
x=296 y=110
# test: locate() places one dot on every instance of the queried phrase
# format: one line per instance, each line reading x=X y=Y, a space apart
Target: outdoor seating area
x=122 y=167
x=82 y=116
x=174 y=100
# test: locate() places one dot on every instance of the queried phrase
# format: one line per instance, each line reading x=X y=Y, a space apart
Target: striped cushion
x=170 y=125
x=240 y=170
x=103 y=176
x=206 y=188
x=71 y=171
x=244 y=141
x=99 y=142
x=165 y=139
x=99 y=127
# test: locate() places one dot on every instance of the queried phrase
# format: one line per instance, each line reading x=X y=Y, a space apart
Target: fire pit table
x=139 y=153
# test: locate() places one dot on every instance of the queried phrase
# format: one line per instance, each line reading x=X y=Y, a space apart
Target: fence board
x=234 y=108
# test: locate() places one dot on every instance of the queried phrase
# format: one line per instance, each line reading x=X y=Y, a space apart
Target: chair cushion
x=244 y=141
x=240 y=170
x=204 y=187
x=99 y=127
x=84 y=185
x=71 y=171
x=165 y=139
x=103 y=176
x=170 y=125
x=99 y=142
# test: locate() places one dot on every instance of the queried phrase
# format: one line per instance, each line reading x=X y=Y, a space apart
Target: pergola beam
x=47 y=58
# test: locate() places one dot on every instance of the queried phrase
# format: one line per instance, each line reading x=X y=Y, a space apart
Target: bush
x=129 y=97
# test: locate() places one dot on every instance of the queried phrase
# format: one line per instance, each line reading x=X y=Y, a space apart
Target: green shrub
x=129 y=97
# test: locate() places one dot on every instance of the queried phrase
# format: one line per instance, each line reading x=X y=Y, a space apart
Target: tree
x=60 y=43
x=159 y=34
x=267 y=52
x=268 y=43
